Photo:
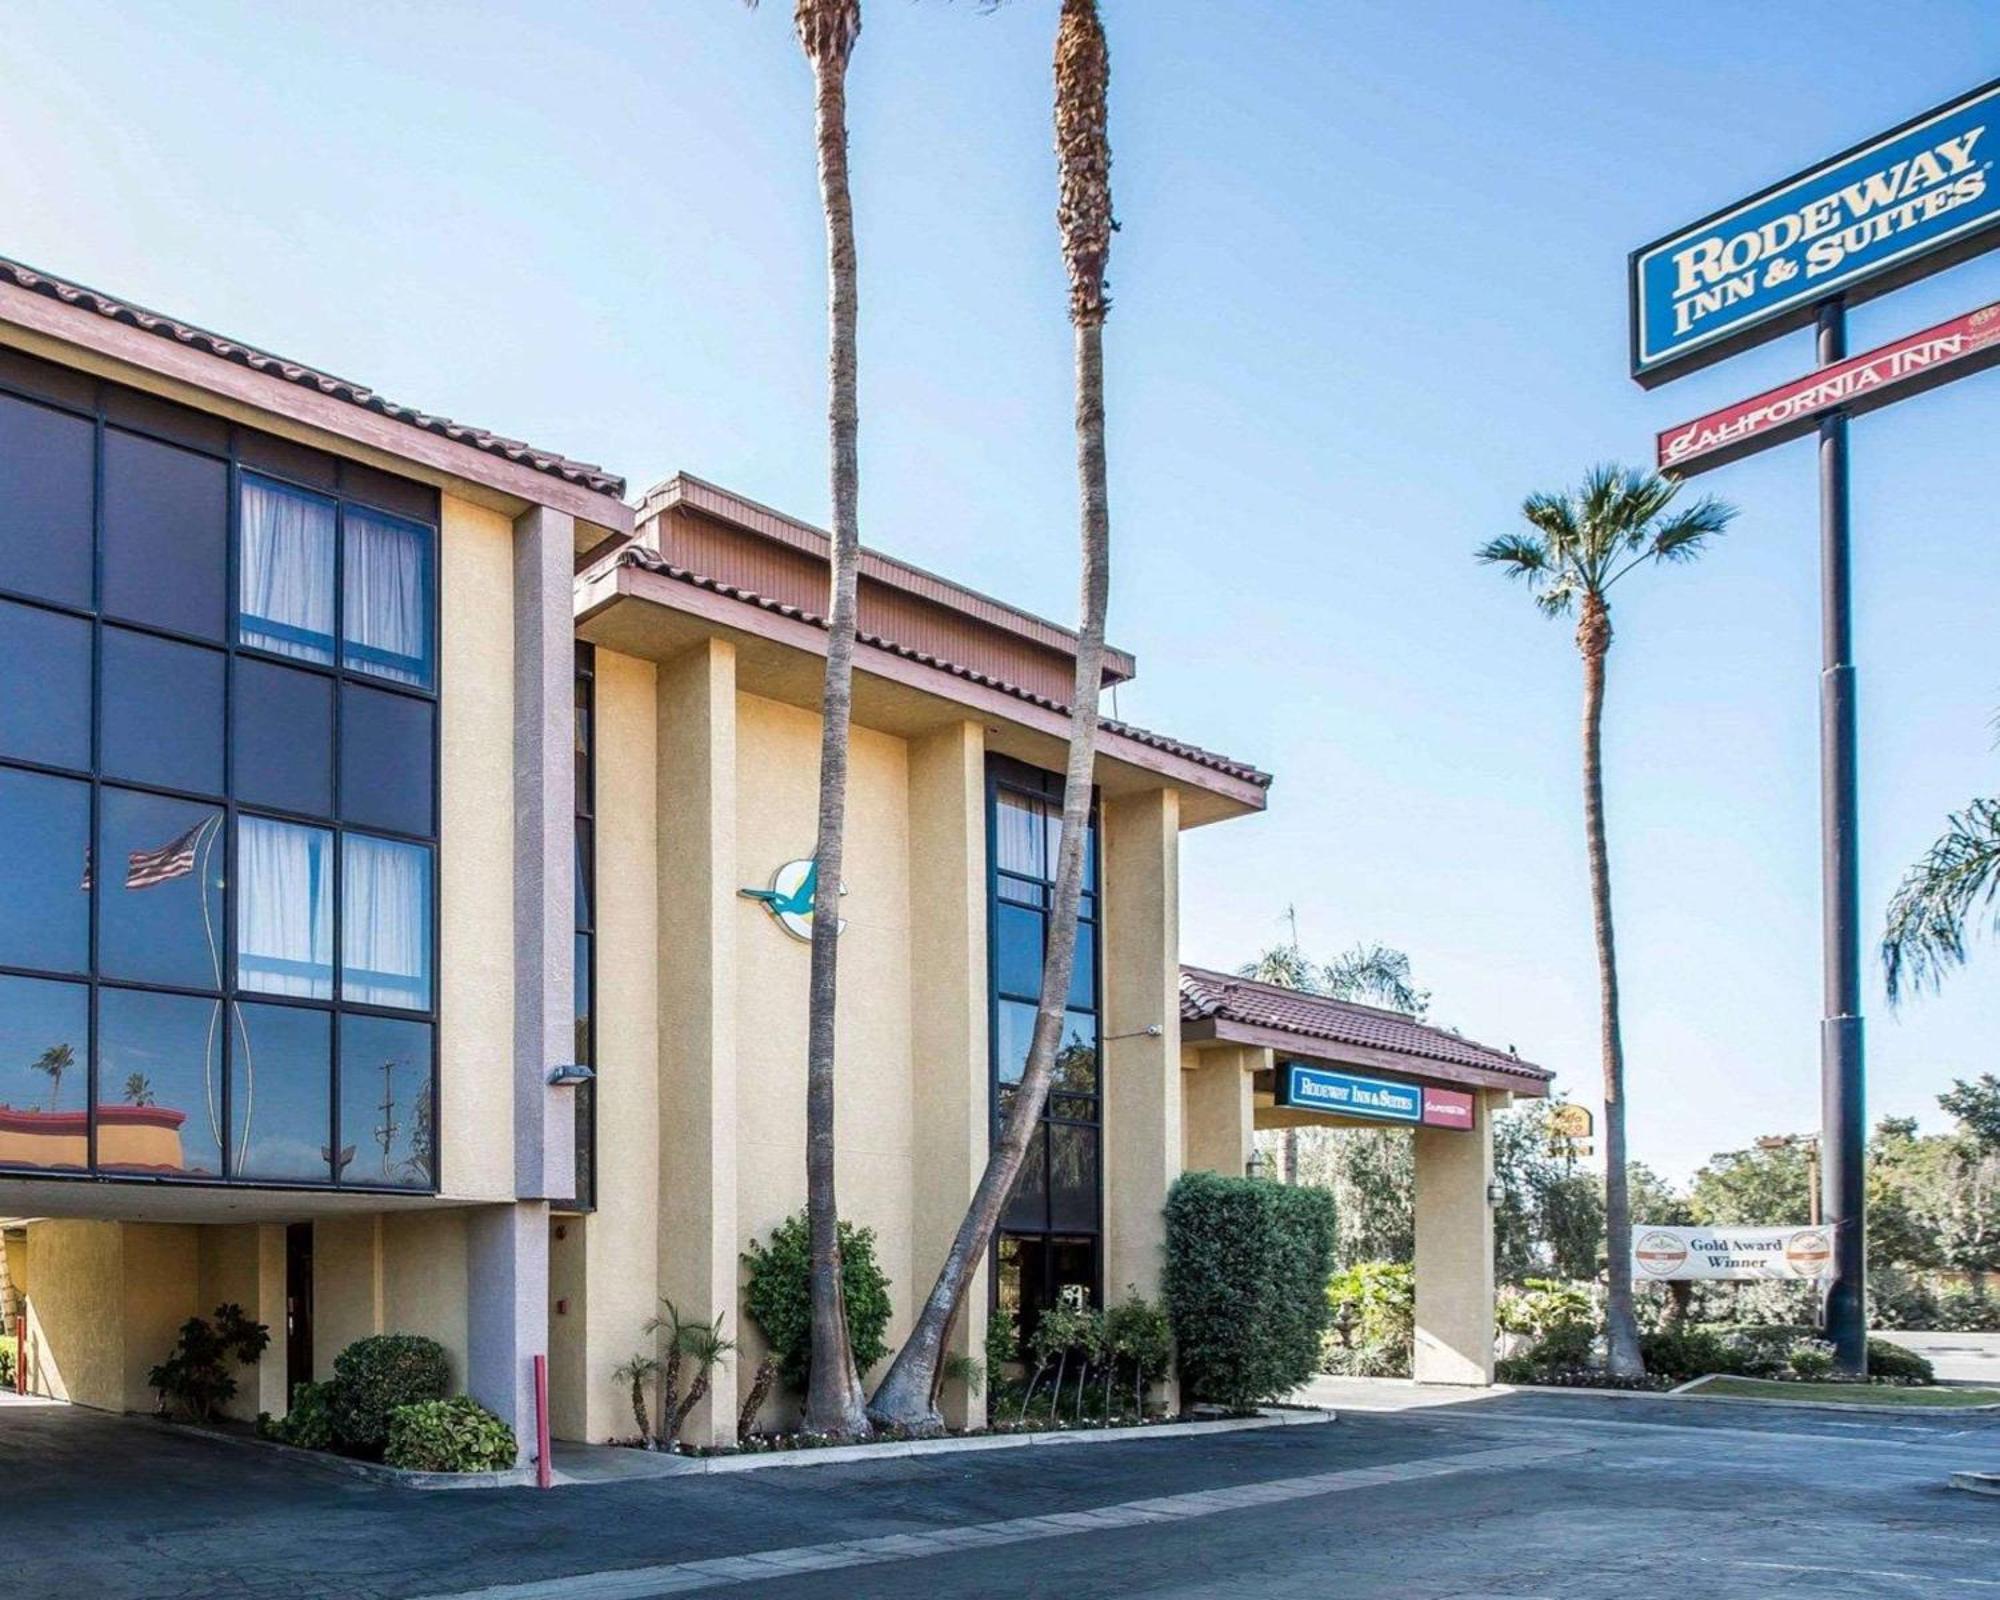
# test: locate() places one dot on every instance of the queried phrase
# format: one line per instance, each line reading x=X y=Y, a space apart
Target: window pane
x=1017 y=965
x=159 y=892
x=1022 y=891
x=45 y=665
x=1073 y=1107
x=584 y=786
x=385 y=1103
x=166 y=524
x=285 y=570
x=1083 y=975
x=585 y=878
x=1072 y=1177
x=284 y=738
x=44 y=1076
x=44 y=868
x=1017 y=835
x=46 y=472
x=581 y=989
x=1030 y=1206
x=284 y=908
x=159 y=1083
x=1014 y=1031
x=281 y=1094
x=1076 y=1054
x=385 y=929
x=162 y=712
x=1073 y=1271
x=385 y=760
x=387 y=590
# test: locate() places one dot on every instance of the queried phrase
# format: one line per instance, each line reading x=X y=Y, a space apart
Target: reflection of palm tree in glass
x=138 y=1090
x=55 y=1061
x=418 y=1163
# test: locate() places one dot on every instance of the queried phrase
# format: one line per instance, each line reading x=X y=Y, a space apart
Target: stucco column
x=948 y=1022
x=544 y=852
x=1455 y=1250
x=696 y=706
x=1141 y=1071
x=1218 y=1109
x=507 y=1311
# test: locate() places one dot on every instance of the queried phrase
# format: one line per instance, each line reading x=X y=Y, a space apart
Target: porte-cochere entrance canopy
x=1255 y=1056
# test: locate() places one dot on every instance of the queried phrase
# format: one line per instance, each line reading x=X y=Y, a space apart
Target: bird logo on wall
x=790 y=898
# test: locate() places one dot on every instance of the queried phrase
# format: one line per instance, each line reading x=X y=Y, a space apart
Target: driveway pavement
x=1957 y=1357
x=1516 y=1495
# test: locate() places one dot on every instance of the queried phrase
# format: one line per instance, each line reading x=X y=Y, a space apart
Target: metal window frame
x=1006 y=774
x=228 y=996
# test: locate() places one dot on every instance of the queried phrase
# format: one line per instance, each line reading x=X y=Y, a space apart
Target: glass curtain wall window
x=218 y=777
x=585 y=971
x=1048 y=1246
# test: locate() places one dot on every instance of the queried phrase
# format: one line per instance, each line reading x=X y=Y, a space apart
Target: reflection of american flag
x=144 y=868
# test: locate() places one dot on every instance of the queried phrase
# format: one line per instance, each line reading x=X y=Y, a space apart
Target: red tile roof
x=1206 y=994
x=652 y=561
x=578 y=472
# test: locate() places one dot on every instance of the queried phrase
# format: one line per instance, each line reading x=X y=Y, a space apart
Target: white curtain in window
x=386 y=584
x=284 y=908
x=1018 y=835
x=385 y=927
x=286 y=571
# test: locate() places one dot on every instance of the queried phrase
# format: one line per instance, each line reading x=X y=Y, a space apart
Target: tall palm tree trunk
x=1593 y=640
x=834 y=1401
x=908 y=1394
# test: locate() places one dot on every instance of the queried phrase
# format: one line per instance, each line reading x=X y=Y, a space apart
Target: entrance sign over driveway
x=1344 y=1094
x=1905 y=204
x=1787 y=1255
x=1895 y=371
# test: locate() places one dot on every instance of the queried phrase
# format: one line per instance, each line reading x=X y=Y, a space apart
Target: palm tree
x=907 y=1396
x=1958 y=878
x=55 y=1061
x=138 y=1089
x=1579 y=546
x=827 y=31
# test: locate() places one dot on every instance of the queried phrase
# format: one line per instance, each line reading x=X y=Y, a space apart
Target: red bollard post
x=20 y=1352
x=543 y=1474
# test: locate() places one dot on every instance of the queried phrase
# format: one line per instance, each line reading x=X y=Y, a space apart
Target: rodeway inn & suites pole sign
x=1902 y=205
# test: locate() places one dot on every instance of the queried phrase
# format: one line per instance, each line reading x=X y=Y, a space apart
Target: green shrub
x=1965 y=1310
x=1003 y=1348
x=458 y=1435
x=1139 y=1333
x=1891 y=1363
x=196 y=1378
x=309 y=1422
x=1246 y=1272
x=373 y=1376
x=1691 y=1351
x=779 y=1297
x=1541 y=1304
x=1811 y=1360
x=1567 y=1348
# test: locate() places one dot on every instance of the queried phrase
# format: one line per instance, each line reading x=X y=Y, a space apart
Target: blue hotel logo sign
x=1912 y=201
x=1344 y=1094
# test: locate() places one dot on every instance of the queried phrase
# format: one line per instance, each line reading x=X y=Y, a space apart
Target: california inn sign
x=1857 y=225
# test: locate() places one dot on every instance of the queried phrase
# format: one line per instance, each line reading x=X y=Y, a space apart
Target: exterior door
x=298 y=1306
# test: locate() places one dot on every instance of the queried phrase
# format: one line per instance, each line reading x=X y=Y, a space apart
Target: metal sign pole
x=1842 y=1109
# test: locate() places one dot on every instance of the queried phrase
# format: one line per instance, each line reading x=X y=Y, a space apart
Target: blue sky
x=1369 y=292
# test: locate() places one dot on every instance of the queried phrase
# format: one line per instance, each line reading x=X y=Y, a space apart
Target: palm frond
x=1522 y=556
x=1553 y=516
x=1682 y=536
x=1958 y=878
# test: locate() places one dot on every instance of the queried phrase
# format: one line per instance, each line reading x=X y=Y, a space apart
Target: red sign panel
x=1447 y=1108
x=1954 y=349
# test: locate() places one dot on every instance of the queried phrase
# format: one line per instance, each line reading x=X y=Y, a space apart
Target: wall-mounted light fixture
x=1496 y=1191
x=568 y=1074
x=1257 y=1164
x=1152 y=1030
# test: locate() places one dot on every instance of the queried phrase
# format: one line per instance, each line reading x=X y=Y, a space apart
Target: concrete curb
x=899 y=1449
x=348 y=1467
x=1687 y=1391
x=1977 y=1482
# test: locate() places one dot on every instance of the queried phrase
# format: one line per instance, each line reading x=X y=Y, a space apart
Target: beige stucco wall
x=424 y=1280
x=476 y=844
x=244 y=1264
x=76 y=1322
x=777 y=795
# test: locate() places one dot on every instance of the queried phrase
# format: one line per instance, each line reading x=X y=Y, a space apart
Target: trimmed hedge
x=373 y=1376
x=1246 y=1274
x=457 y=1435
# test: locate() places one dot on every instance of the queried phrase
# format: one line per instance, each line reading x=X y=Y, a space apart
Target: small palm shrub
x=458 y=1435
x=1373 y=1309
x=373 y=1376
x=778 y=1297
